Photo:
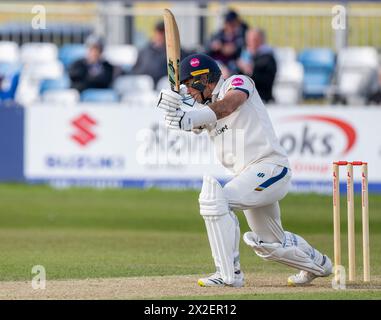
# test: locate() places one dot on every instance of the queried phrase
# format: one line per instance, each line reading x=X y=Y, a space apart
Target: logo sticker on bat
x=171 y=72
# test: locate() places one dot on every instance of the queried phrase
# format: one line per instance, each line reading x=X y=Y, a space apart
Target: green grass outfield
x=87 y=233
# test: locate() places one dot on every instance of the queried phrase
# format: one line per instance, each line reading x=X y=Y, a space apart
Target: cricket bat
x=172 y=45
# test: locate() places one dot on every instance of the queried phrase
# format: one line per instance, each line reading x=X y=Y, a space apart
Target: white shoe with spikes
x=215 y=280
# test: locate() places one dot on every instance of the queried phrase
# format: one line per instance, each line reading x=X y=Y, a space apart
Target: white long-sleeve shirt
x=245 y=136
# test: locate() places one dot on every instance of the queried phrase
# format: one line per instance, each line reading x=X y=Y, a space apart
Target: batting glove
x=169 y=100
x=179 y=120
x=188 y=120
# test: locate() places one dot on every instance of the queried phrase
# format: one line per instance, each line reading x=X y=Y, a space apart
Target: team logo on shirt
x=195 y=62
x=237 y=82
x=222 y=130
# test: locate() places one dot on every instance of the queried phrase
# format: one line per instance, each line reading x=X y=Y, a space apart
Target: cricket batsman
x=231 y=110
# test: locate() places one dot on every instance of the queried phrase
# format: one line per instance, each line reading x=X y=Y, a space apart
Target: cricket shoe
x=215 y=280
x=305 y=277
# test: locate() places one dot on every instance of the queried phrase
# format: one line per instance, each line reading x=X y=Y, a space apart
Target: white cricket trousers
x=257 y=191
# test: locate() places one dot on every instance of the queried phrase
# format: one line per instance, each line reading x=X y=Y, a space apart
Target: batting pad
x=220 y=226
x=294 y=252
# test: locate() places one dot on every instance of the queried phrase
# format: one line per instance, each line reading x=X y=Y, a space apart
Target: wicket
x=351 y=218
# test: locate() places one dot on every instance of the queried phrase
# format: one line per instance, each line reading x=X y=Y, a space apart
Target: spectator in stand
x=152 y=59
x=225 y=46
x=91 y=72
x=258 y=62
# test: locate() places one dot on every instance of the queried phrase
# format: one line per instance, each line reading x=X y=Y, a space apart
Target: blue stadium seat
x=10 y=75
x=69 y=53
x=99 y=95
x=319 y=66
x=54 y=84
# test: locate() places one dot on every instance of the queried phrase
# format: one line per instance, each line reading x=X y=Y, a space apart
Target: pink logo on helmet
x=237 y=82
x=195 y=62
